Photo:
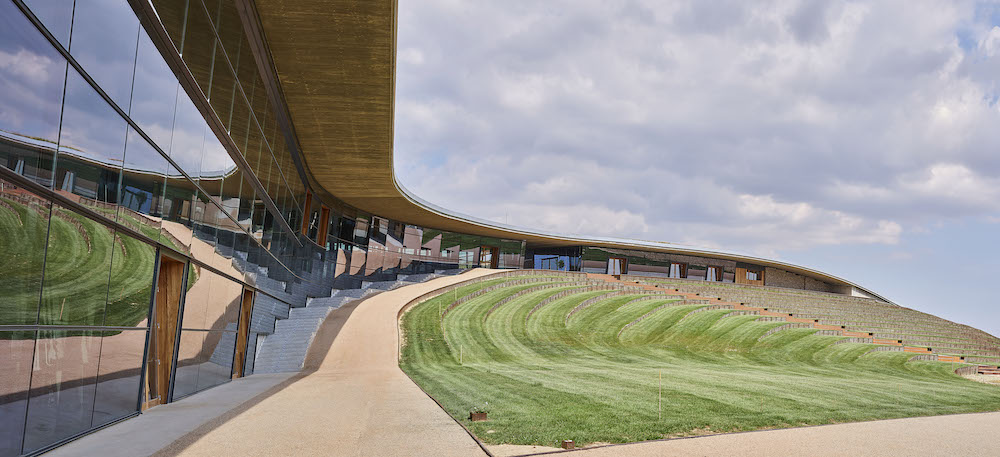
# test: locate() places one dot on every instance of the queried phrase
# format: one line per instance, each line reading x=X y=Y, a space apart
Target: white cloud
x=757 y=127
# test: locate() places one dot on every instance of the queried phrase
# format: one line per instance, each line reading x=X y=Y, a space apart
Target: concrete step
x=315 y=312
x=384 y=285
x=354 y=293
x=418 y=277
x=332 y=302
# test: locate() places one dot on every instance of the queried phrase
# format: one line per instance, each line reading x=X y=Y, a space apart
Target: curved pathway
x=953 y=435
x=356 y=402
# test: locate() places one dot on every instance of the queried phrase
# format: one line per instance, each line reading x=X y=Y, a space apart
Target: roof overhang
x=335 y=61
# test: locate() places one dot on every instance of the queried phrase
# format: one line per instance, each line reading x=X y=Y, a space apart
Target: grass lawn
x=548 y=378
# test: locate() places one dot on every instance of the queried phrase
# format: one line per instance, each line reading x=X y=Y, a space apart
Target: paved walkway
x=956 y=435
x=357 y=402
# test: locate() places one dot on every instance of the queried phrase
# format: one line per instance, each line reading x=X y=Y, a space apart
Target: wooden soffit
x=335 y=62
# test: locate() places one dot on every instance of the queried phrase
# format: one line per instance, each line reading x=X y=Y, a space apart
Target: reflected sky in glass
x=104 y=40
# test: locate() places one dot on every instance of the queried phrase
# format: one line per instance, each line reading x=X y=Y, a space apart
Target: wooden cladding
x=162 y=338
x=324 y=226
x=306 y=211
x=246 y=309
x=751 y=277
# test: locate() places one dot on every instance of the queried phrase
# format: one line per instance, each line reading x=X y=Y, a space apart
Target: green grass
x=547 y=379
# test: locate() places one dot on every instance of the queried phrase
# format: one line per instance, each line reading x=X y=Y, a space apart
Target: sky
x=858 y=138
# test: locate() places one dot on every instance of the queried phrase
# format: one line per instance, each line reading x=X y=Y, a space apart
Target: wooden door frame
x=623 y=266
x=719 y=272
x=324 y=226
x=243 y=332
x=162 y=341
x=306 y=213
x=494 y=255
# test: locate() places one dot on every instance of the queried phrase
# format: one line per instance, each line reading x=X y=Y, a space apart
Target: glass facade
x=156 y=228
x=111 y=176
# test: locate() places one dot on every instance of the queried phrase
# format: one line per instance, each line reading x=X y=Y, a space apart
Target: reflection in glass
x=175 y=227
x=62 y=386
x=91 y=147
x=223 y=89
x=24 y=222
x=213 y=302
x=131 y=283
x=142 y=186
x=188 y=138
x=56 y=16
x=208 y=339
x=77 y=265
x=30 y=97
x=153 y=93
x=15 y=357
x=104 y=40
x=118 y=381
x=198 y=48
x=189 y=357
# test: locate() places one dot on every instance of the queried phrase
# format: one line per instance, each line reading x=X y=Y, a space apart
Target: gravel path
x=357 y=402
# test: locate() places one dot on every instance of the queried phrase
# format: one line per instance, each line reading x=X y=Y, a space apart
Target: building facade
x=159 y=213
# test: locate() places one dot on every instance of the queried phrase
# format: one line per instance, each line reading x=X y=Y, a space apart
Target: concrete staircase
x=285 y=348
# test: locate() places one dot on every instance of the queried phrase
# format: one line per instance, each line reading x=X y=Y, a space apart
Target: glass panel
x=199 y=46
x=216 y=162
x=230 y=29
x=91 y=147
x=207 y=356
x=213 y=302
x=218 y=366
x=131 y=284
x=56 y=16
x=77 y=266
x=153 y=93
x=142 y=186
x=223 y=87
x=24 y=221
x=62 y=386
x=202 y=218
x=119 y=380
x=188 y=139
x=104 y=39
x=175 y=230
x=16 y=350
x=171 y=14
x=31 y=88
x=189 y=356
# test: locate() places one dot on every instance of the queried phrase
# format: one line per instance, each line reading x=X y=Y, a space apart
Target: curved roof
x=335 y=62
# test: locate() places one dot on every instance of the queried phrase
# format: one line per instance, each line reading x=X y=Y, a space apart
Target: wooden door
x=163 y=331
x=489 y=257
x=246 y=308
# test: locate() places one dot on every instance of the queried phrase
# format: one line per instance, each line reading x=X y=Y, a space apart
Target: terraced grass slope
x=884 y=321
x=571 y=357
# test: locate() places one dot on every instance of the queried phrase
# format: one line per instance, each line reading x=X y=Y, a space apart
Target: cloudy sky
x=859 y=138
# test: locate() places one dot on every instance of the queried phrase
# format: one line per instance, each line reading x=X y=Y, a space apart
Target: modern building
x=178 y=174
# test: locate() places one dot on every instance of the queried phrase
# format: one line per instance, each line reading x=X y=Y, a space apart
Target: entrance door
x=241 y=334
x=616 y=266
x=163 y=334
x=489 y=257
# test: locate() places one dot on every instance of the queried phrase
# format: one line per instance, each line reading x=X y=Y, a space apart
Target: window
x=753 y=276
